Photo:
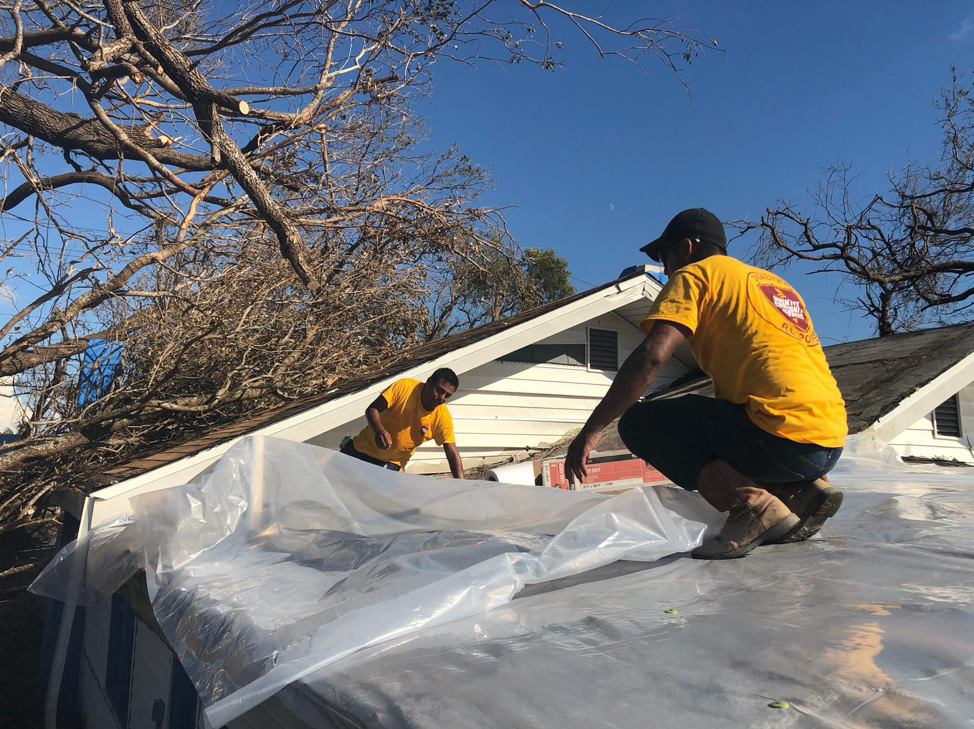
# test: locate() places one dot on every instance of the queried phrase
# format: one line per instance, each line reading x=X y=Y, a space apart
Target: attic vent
x=946 y=419
x=603 y=349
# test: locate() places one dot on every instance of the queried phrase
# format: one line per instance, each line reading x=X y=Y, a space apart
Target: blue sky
x=594 y=159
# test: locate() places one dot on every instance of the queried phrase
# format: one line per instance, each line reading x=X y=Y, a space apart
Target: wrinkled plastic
x=870 y=624
x=285 y=558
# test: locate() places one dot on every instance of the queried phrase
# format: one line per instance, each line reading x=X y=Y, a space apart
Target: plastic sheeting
x=286 y=558
x=869 y=624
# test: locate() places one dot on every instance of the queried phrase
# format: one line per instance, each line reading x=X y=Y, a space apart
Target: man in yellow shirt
x=761 y=447
x=403 y=417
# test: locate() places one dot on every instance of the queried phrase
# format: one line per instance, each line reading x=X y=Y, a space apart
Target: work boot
x=756 y=518
x=812 y=502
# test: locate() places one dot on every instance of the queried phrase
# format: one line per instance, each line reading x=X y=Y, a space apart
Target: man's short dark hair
x=705 y=249
x=445 y=374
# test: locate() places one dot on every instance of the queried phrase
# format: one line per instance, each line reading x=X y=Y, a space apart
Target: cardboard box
x=607 y=470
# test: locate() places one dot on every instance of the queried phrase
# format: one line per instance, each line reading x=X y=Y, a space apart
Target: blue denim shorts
x=679 y=436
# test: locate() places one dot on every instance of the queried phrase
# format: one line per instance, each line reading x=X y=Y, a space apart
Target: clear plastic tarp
x=302 y=588
x=284 y=559
x=868 y=624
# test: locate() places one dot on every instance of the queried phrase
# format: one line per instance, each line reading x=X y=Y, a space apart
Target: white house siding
x=919 y=439
x=504 y=409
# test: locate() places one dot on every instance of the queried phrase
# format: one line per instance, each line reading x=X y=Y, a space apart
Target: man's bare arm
x=453 y=458
x=634 y=377
x=382 y=438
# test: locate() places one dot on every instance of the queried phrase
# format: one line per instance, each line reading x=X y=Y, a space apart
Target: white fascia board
x=651 y=288
x=923 y=401
x=329 y=415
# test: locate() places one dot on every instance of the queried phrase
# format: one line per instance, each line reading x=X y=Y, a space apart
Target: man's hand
x=382 y=439
x=373 y=417
x=577 y=458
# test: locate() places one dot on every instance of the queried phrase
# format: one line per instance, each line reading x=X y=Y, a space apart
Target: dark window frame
x=184 y=704
x=121 y=652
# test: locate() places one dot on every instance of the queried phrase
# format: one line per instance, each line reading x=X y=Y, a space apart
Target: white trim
x=924 y=400
x=305 y=425
x=651 y=288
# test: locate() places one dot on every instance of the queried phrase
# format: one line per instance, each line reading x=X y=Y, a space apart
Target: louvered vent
x=603 y=349
x=946 y=419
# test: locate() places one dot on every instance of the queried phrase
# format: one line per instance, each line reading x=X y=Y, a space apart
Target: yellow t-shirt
x=751 y=332
x=408 y=422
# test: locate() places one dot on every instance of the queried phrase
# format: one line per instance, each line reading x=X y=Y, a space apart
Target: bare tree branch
x=911 y=249
x=212 y=209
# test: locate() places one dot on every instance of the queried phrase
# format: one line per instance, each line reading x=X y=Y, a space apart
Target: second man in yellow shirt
x=407 y=414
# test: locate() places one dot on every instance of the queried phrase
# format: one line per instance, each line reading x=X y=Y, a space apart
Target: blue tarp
x=102 y=364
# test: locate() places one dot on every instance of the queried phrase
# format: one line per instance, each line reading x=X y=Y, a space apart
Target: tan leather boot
x=756 y=517
x=812 y=502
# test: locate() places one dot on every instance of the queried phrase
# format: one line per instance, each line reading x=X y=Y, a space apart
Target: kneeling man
x=761 y=447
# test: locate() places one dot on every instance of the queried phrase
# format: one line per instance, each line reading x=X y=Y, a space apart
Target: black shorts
x=679 y=436
x=349 y=450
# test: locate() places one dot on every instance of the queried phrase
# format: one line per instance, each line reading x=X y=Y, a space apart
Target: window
x=121 y=642
x=603 y=349
x=600 y=353
x=183 y=702
x=946 y=419
x=563 y=354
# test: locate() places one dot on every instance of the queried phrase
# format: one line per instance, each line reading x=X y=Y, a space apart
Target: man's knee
x=639 y=428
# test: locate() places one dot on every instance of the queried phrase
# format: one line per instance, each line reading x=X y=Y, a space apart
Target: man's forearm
x=456 y=465
x=635 y=376
x=637 y=373
x=372 y=415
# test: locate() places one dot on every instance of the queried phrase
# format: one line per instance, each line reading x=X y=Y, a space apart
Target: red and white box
x=607 y=470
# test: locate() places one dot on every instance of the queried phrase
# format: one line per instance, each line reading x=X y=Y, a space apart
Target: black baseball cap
x=695 y=223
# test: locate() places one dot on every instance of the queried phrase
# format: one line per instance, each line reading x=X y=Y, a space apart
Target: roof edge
x=924 y=400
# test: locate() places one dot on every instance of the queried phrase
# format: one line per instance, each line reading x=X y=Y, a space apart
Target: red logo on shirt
x=786 y=312
x=787 y=302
